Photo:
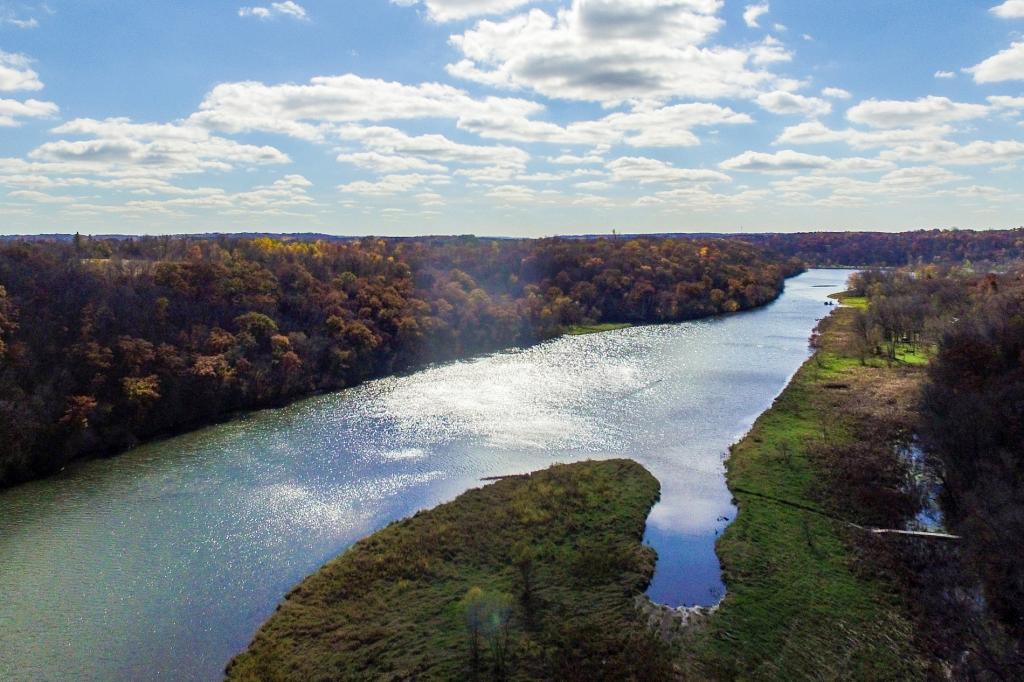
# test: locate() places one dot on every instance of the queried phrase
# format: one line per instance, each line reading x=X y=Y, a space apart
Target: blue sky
x=509 y=117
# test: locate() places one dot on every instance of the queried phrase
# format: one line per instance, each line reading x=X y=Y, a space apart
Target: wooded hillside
x=104 y=343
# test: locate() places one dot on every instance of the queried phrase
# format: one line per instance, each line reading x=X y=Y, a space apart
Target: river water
x=161 y=563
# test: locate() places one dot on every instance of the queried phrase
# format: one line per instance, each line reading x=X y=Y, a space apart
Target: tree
x=488 y=620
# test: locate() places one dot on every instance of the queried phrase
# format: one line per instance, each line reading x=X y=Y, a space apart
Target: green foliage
x=580 y=329
x=440 y=595
x=795 y=606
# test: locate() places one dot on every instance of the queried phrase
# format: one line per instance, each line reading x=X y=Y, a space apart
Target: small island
x=533 y=577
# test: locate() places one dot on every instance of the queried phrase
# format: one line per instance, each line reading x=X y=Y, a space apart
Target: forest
x=895 y=249
x=969 y=420
x=107 y=342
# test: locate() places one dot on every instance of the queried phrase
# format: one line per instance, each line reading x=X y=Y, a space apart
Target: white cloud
x=1011 y=9
x=754 y=12
x=645 y=171
x=919 y=176
x=513 y=194
x=657 y=127
x=780 y=102
x=789 y=161
x=120 y=147
x=389 y=185
x=945 y=75
x=816 y=132
x=838 y=191
x=16 y=74
x=455 y=10
x=976 y=153
x=390 y=163
x=1003 y=66
x=573 y=160
x=929 y=110
x=783 y=161
x=287 y=9
x=39 y=197
x=309 y=112
x=835 y=93
x=433 y=148
x=11 y=110
x=19 y=22
x=1006 y=102
x=303 y=110
x=612 y=51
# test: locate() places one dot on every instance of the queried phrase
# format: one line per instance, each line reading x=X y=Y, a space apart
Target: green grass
x=795 y=608
x=580 y=329
x=860 y=302
x=914 y=354
x=389 y=607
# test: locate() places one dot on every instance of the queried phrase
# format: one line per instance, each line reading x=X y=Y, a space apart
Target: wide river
x=161 y=563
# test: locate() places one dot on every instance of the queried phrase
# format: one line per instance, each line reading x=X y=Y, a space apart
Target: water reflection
x=161 y=563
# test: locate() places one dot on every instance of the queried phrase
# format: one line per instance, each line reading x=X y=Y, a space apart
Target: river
x=161 y=563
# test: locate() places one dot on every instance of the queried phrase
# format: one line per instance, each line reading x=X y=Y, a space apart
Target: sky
x=510 y=117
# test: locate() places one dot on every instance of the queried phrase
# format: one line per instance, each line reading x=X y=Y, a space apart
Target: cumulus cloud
x=929 y=110
x=754 y=12
x=311 y=111
x=433 y=148
x=783 y=161
x=645 y=171
x=1011 y=9
x=816 y=132
x=945 y=75
x=390 y=163
x=11 y=110
x=300 y=110
x=118 y=146
x=612 y=51
x=17 y=74
x=1003 y=66
x=976 y=153
x=780 y=102
x=287 y=9
x=789 y=161
x=389 y=185
x=455 y=10
x=574 y=160
x=836 y=93
x=1006 y=102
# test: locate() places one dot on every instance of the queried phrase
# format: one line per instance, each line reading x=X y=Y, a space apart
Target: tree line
x=895 y=249
x=973 y=424
x=970 y=421
x=107 y=342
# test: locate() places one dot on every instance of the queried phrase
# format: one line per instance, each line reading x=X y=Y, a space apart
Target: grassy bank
x=528 y=578
x=580 y=329
x=798 y=606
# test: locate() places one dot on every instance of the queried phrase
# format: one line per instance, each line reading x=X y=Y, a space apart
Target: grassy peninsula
x=798 y=605
x=531 y=577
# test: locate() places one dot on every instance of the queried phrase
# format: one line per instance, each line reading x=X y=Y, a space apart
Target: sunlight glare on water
x=161 y=563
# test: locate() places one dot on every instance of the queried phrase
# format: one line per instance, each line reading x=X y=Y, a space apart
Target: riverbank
x=529 y=578
x=799 y=602
x=580 y=329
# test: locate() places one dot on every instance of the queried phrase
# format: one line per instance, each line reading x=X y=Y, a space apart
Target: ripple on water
x=161 y=563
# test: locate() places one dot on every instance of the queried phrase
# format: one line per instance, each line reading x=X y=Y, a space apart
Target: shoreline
x=794 y=601
x=228 y=417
